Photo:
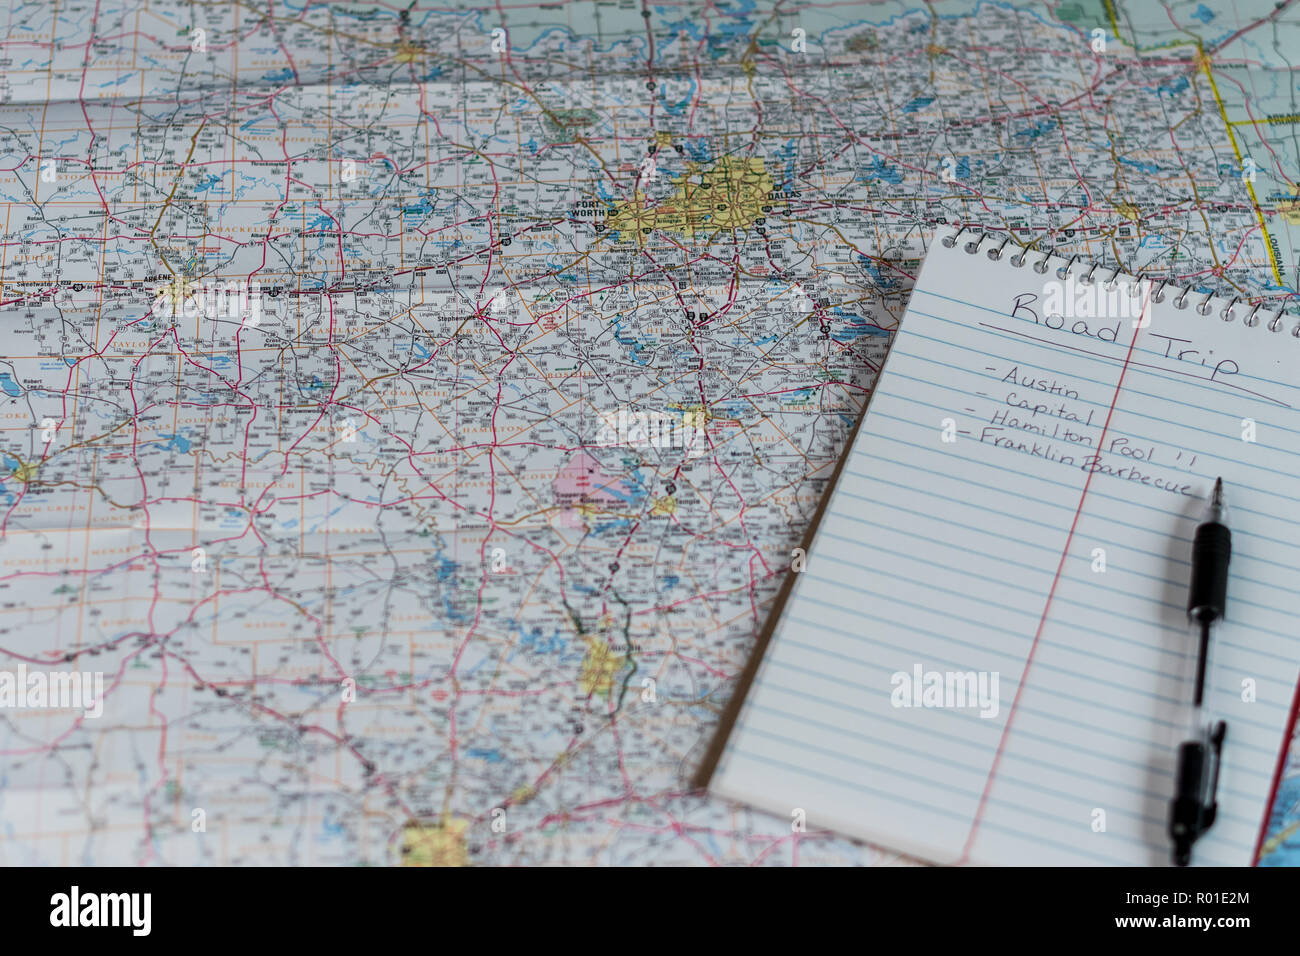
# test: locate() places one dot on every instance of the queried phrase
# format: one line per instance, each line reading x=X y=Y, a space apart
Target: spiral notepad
x=982 y=657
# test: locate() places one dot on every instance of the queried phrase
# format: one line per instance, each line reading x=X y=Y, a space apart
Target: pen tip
x=1216 y=508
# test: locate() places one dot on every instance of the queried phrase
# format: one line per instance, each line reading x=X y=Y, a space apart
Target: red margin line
x=1060 y=566
x=1277 y=773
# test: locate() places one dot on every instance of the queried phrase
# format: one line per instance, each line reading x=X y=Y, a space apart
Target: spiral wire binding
x=1160 y=293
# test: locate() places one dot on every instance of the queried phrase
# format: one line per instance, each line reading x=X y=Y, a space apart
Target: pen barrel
x=1185 y=810
x=1207 y=598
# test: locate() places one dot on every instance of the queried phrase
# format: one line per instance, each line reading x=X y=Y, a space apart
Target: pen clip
x=1210 y=807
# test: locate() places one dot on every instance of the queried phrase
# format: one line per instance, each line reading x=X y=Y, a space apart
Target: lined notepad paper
x=1020 y=502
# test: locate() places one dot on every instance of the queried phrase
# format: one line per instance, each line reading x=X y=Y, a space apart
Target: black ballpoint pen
x=1195 y=804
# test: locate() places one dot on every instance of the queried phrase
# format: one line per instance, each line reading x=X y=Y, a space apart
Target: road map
x=409 y=411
